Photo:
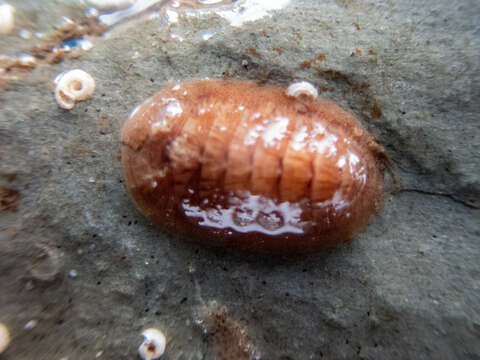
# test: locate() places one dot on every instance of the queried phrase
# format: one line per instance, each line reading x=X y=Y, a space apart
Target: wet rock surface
x=77 y=257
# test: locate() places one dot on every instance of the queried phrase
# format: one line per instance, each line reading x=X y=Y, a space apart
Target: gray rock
x=408 y=287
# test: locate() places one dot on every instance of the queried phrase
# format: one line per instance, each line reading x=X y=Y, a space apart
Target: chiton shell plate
x=249 y=167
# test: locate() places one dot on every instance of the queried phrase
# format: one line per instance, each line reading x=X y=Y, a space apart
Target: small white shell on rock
x=302 y=88
x=4 y=338
x=72 y=86
x=154 y=344
x=27 y=60
x=7 y=19
x=30 y=325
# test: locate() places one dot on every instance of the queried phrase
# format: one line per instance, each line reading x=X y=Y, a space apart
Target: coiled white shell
x=302 y=88
x=4 y=338
x=153 y=345
x=72 y=86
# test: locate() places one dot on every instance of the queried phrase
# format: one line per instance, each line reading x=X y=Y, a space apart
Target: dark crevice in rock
x=450 y=196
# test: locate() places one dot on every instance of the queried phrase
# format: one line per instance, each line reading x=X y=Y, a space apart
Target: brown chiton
x=251 y=167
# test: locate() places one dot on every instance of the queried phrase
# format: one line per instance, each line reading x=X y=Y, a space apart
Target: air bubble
x=270 y=220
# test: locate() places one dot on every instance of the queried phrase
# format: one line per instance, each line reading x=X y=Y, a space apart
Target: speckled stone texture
x=77 y=257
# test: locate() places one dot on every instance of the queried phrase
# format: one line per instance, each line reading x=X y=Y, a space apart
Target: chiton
x=251 y=167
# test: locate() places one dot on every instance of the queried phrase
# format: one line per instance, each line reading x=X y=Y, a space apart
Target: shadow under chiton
x=251 y=167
